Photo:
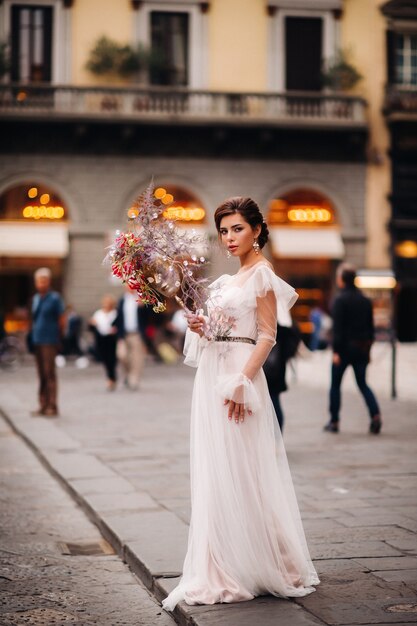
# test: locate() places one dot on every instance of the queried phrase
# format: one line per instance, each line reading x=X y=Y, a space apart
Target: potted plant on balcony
x=116 y=61
x=340 y=74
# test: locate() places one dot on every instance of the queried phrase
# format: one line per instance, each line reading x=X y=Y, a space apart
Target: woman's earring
x=228 y=254
x=256 y=246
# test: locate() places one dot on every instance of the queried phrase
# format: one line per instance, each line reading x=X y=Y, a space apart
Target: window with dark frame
x=406 y=60
x=31 y=43
x=170 y=48
x=303 y=53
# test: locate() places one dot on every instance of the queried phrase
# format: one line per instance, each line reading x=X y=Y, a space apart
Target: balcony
x=401 y=103
x=163 y=105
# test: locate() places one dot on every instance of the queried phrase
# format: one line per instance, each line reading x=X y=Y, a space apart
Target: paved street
x=40 y=583
x=124 y=457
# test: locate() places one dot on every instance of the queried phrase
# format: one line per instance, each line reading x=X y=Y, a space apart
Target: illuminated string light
x=185 y=214
x=33 y=192
x=309 y=214
x=375 y=282
x=406 y=249
x=132 y=213
x=283 y=211
x=167 y=199
x=44 y=199
x=43 y=212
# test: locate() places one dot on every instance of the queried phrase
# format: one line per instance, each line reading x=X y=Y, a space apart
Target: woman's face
x=237 y=235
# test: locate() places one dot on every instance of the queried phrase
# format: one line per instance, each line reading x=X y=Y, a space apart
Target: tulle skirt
x=246 y=537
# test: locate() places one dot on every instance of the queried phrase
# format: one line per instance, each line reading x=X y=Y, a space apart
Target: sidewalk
x=55 y=569
x=124 y=457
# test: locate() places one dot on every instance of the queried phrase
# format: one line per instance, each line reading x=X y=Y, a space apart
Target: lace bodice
x=256 y=298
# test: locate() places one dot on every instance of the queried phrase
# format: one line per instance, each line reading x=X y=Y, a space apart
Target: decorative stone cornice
x=313 y=5
x=400 y=9
x=137 y=4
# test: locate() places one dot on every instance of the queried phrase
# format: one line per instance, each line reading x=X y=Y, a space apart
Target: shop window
x=31 y=43
x=302 y=207
x=181 y=205
x=33 y=233
x=306 y=246
x=169 y=42
x=32 y=202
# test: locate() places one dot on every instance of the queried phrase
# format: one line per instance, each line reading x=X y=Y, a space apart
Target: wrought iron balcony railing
x=175 y=104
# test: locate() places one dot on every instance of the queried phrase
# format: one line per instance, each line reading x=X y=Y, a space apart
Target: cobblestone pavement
x=124 y=455
x=39 y=585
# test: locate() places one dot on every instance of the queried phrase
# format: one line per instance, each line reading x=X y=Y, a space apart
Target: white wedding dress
x=246 y=537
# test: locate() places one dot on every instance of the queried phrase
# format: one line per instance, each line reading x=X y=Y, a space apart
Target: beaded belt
x=237 y=339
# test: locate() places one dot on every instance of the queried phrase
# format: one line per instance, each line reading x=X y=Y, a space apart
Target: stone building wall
x=98 y=190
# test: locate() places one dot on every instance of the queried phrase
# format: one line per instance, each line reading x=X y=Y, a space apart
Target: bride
x=246 y=537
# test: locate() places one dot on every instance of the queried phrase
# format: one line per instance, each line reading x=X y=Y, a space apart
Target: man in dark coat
x=353 y=335
x=275 y=366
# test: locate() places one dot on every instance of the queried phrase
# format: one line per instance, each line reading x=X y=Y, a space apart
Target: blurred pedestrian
x=153 y=326
x=353 y=335
x=177 y=326
x=48 y=323
x=322 y=324
x=131 y=327
x=103 y=323
x=275 y=366
x=72 y=334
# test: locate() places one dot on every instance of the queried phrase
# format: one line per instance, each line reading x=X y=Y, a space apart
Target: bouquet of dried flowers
x=156 y=258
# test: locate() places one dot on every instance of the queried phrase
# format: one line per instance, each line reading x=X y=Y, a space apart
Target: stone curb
x=139 y=516
x=60 y=463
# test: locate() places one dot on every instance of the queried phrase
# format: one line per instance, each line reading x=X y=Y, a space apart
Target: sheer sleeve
x=239 y=387
x=266 y=313
x=193 y=348
x=272 y=297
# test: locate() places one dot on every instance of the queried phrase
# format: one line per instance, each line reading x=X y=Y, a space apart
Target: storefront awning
x=306 y=243
x=35 y=239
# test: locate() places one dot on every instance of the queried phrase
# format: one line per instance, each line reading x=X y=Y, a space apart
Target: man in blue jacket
x=47 y=328
x=353 y=335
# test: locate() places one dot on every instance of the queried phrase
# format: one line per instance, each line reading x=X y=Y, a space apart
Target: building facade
x=400 y=109
x=229 y=103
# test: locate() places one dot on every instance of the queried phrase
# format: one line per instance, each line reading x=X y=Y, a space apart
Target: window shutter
x=391 y=41
x=14 y=70
x=47 y=73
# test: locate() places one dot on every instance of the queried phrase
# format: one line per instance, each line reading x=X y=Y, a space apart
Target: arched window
x=303 y=207
x=182 y=205
x=31 y=202
x=306 y=245
x=303 y=224
x=33 y=233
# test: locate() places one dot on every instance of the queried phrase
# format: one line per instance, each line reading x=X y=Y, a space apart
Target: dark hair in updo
x=250 y=212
